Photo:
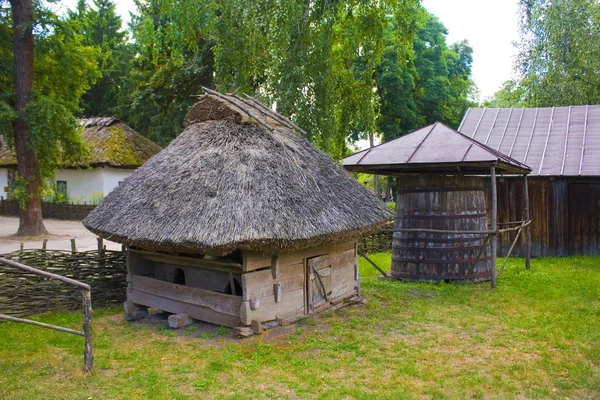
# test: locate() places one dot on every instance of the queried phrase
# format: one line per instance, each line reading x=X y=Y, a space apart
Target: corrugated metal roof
x=434 y=148
x=554 y=141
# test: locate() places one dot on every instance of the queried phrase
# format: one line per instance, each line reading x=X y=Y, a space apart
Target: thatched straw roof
x=238 y=177
x=112 y=144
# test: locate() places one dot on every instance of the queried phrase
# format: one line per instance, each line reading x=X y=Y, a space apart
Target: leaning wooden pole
x=494 y=224
x=528 y=229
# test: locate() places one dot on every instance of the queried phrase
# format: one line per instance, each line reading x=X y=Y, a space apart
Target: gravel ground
x=61 y=233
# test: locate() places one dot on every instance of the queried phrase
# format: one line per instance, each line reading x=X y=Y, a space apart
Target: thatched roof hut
x=237 y=178
x=112 y=144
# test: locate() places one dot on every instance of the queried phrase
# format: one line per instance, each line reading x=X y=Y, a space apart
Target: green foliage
x=428 y=83
x=52 y=194
x=174 y=58
x=558 y=55
x=100 y=27
x=96 y=197
x=315 y=60
x=535 y=336
x=510 y=95
x=64 y=68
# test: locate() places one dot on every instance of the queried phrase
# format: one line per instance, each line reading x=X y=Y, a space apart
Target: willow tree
x=559 y=53
x=315 y=60
x=37 y=100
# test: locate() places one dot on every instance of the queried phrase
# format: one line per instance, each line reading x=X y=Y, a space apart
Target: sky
x=490 y=27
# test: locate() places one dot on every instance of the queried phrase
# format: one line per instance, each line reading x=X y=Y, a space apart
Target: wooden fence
x=23 y=293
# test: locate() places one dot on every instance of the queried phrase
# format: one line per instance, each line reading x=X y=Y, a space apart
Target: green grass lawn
x=536 y=336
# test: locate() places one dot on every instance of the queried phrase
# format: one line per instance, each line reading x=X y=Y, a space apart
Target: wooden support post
x=88 y=356
x=73 y=246
x=21 y=249
x=44 y=243
x=528 y=229
x=100 y=246
x=494 y=224
x=363 y=255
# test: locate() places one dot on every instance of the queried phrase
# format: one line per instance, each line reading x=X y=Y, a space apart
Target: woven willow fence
x=23 y=294
x=377 y=242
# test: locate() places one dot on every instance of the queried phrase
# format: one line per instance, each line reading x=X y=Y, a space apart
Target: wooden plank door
x=318 y=282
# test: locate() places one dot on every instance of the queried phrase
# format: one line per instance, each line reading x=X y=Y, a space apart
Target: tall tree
x=429 y=82
x=38 y=101
x=30 y=216
x=559 y=52
x=100 y=26
x=173 y=61
x=315 y=60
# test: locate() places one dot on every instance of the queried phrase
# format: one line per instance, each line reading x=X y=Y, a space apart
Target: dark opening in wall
x=179 y=277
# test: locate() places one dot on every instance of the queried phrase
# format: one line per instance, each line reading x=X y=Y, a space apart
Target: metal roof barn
x=562 y=146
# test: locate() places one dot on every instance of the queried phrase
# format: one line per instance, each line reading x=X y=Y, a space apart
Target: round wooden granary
x=454 y=203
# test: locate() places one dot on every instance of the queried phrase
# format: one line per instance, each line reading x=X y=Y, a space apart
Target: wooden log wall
x=23 y=294
x=565 y=214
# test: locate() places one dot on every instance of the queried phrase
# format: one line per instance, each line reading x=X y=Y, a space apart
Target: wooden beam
x=44 y=273
x=43 y=325
x=494 y=224
x=363 y=255
x=217 y=265
x=528 y=231
x=218 y=302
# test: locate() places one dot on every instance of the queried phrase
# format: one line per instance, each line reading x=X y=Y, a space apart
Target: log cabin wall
x=294 y=285
x=266 y=288
x=565 y=214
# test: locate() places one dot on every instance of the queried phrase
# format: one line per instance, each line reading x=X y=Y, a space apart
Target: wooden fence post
x=73 y=246
x=88 y=356
x=494 y=224
x=528 y=231
x=100 y=246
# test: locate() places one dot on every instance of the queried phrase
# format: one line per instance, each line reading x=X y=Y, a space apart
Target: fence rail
x=23 y=293
x=85 y=289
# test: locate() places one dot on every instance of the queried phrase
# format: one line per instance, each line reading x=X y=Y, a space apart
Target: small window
x=61 y=187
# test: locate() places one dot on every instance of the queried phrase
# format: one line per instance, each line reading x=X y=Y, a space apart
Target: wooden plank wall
x=282 y=292
x=565 y=214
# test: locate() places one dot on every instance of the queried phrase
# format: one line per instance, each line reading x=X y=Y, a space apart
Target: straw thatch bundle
x=228 y=184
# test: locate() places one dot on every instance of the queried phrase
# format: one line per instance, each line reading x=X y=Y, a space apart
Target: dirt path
x=61 y=233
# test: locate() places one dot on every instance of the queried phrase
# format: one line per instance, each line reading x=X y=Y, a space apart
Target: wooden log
x=217 y=265
x=218 y=302
x=43 y=325
x=180 y=307
x=494 y=225
x=88 y=356
x=438 y=231
x=528 y=231
x=253 y=261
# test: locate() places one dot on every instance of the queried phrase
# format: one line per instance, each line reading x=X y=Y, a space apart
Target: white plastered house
x=117 y=150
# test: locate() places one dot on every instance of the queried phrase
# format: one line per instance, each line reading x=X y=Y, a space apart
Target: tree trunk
x=388 y=189
x=30 y=218
x=375 y=177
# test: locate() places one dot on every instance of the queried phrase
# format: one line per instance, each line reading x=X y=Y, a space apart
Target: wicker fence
x=65 y=211
x=23 y=294
x=377 y=242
